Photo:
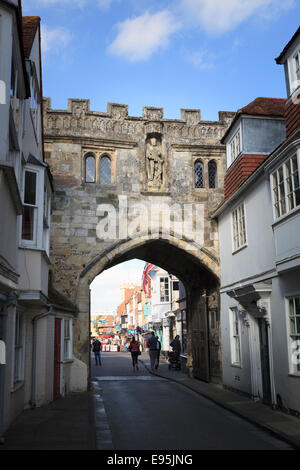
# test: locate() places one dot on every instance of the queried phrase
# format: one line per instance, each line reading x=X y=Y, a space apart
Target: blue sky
x=208 y=54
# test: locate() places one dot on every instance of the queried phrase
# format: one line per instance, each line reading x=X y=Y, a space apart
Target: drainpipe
x=10 y=299
x=34 y=348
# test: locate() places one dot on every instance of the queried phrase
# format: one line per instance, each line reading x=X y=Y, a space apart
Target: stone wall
x=133 y=144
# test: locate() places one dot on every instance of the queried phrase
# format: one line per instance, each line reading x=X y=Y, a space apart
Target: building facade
x=36 y=322
x=259 y=246
x=109 y=167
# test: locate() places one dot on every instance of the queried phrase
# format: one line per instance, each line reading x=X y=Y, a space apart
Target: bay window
x=30 y=206
x=234 y=147
x=285 y=187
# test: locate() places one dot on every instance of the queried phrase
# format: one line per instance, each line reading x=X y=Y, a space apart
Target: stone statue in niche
x=154 y=163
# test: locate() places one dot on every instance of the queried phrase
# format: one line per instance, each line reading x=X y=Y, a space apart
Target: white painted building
x=164 y=294
x=259 y=226
x=35 y=321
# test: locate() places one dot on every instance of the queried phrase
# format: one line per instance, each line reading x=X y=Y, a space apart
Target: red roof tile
x=259 y=107
x=30 y=24
x=264 y=107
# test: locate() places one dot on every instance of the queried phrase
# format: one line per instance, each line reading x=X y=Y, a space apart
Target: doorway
x=265 y=361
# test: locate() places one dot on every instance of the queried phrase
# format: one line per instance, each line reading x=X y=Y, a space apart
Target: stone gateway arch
x=137 y=187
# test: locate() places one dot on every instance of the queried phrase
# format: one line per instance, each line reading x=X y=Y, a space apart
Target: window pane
x=28 y=223
x=90 y=169
x=298 y=325
x=212 y=174
x=30 y=188
x=292 y=326
x=291 y=307
x=198 y=168
x=105 y=170
x=297 y=305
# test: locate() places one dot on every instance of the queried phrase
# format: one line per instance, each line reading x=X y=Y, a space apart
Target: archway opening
x=195 y=270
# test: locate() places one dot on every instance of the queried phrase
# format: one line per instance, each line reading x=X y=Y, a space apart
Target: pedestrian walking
x=97 y=347
x=134 y=348
x=176 y=346
x=158 y=349
x=152 y=345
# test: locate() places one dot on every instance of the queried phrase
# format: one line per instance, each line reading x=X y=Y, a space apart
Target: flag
x=148 y=270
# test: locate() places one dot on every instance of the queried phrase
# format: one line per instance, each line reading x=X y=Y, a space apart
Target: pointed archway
x=195 y=267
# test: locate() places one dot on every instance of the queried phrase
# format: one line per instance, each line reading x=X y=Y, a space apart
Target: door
x=199 y=338
x=214 y=345
x=57 y=359
x=265 y=361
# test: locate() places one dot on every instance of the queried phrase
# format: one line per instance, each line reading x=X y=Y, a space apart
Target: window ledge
x=240 y=248
x=236 y=366
x=286 y=216
x=17 y=386
x=297 y=376
x=68 y=361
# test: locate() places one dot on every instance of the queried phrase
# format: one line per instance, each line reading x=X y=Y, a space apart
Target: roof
x=29 y=26
x=280 y=58
x=59 y=301
x=265 y=107
x=259 y=107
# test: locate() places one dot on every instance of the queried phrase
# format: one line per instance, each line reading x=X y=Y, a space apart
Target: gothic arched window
x=199 y=177
x=212 y=174
x=90 y=169
x=105 y=170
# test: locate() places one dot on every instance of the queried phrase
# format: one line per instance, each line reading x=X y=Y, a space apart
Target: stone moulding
x=78 y=118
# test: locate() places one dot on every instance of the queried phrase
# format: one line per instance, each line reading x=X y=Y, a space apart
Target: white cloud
x=140 y=37
x=54 y=40
x=219 y=16
x=49 y=3
x=201 y=59
x=104 y=5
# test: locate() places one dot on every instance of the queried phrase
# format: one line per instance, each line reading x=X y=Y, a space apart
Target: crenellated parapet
x=78 y=119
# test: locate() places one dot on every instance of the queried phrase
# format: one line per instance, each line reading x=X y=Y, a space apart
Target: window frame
x=67 y=352
x=277 y=215
x=237 y=234
x=39 y=241
x=210 y=162
x=18 y=350
x=235 y=337
x=296 y=57
x=291 y=337
x=199 y=160
x=35 y=207
x=102 y=157
x=162 y=298
x=232 y=140
x=86 y=156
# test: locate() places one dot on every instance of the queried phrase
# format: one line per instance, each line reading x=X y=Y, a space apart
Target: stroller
x=174 y=360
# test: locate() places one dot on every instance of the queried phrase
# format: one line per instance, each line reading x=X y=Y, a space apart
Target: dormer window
x=234 y=146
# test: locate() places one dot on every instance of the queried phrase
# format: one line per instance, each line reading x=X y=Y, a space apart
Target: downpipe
x=10 y=299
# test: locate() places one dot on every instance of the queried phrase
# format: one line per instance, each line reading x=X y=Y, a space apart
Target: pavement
x=280 y=424
x=65 y=424
x=69 y=423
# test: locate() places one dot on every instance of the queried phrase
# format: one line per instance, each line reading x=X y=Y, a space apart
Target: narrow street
x=145 y=412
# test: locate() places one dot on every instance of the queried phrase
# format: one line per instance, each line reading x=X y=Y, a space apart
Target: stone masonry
x=152 y=162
